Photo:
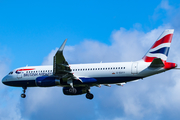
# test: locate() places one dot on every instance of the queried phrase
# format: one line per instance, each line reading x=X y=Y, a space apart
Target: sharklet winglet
x=63 y=45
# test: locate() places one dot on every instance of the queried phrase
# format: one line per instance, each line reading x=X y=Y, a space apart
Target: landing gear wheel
x=23 y=95
x=89 y=96
x=73 y=90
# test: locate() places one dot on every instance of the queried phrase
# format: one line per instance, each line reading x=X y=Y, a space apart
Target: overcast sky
x=107 y=31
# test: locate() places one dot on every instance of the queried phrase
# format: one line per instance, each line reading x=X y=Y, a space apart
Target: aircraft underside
x=78 y=87
x=100 y=80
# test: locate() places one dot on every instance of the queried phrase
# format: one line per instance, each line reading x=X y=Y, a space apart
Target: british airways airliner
x=76 y=79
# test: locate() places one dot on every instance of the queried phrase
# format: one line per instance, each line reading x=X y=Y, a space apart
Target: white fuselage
x=105 y=73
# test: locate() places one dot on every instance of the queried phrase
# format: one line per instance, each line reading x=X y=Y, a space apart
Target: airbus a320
x=76 y=79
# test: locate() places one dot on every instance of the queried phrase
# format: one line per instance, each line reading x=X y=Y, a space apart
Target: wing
x=61 y=68
x=60 y=65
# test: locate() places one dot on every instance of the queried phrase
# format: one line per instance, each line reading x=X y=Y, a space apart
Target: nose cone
x=4 y=80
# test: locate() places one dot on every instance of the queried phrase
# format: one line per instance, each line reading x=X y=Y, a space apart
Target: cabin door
x=134 y=68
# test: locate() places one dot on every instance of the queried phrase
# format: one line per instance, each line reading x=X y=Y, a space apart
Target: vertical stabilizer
x=161 y=47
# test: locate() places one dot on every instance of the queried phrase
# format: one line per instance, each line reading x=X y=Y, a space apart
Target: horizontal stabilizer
x=157 y=62
x=177 y=68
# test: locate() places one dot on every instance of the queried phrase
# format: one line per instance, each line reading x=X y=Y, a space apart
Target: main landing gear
x=74 y=91
x=23 y=95
x=89 y=95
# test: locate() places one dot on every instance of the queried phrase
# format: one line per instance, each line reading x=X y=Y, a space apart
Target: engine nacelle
x=79 y=91
x=47 y=81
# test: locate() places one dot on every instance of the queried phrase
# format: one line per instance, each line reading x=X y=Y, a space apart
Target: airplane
x=76 y=79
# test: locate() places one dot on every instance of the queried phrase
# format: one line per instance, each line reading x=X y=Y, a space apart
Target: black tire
x=23 y=95
x=89 y=96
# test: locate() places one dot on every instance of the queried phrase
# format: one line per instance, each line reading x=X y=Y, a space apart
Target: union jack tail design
x=161 y=47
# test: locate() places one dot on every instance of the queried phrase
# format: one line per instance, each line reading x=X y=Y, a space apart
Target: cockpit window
x=11 y=73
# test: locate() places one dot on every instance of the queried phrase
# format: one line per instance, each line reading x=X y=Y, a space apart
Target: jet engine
x=47 y=81
x=74 y=91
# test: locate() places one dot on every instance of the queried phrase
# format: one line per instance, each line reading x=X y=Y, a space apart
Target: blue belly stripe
x=96 y=80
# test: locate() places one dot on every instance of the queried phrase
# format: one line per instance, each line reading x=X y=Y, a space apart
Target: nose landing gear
x=23 y=95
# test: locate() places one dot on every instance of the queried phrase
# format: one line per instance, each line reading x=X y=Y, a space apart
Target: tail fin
x=160 y=49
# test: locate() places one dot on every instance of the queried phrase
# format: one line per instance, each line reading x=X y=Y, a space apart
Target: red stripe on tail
x=165 y=39
x=148 y=59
